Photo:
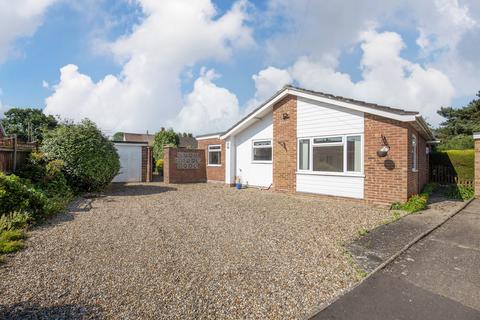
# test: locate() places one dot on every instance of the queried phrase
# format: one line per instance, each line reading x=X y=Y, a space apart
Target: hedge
x=460 y=161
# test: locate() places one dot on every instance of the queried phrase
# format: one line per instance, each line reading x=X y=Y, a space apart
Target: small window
x=354 y=154
x=414 y=152
x=214 y=155
x=304 y=154
x=262 y=150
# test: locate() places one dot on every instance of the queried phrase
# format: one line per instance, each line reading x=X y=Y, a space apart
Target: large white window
x=337 y=154
x=215 y=155
x=414 y=152
x=262 y=151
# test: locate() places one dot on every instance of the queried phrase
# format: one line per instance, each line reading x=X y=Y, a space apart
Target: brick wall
x=175 y=174
x=285 y=144
x=147 y=164
x=214 y=173
x=386 y=179
x=477 y=168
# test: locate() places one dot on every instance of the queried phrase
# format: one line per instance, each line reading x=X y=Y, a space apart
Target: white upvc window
x=414 y=152
x=262 y=151
x=215 y=155
x=340 y=154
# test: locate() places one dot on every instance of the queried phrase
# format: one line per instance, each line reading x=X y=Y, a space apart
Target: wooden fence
x=13 y=153
x=444 y=175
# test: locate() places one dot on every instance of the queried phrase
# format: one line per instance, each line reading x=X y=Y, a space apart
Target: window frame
x=343 y=143
x=414 y=151
x=214 y=150
x=261 y=147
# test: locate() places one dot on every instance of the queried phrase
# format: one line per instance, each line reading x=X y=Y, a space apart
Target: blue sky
x=138 y=65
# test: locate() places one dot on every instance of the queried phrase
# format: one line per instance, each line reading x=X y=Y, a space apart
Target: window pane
x=304 y=154
x=328 y=158
x=214 y=157
x=414 y=152
x=327 y=140
x=354 y=154
x=262 y=154
x=262 y=143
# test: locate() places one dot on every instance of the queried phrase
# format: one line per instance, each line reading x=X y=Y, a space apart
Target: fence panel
x=444 y=175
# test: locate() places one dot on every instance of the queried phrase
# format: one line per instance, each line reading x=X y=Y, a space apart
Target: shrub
x=460 y=161
x=14 y=220
x=90 y=159
x=11 y=246
x=162 y=139
x=459 y=192
x=417 y=202
x=18 y=195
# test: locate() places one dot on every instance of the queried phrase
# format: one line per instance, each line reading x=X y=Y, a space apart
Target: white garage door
x=130 y=163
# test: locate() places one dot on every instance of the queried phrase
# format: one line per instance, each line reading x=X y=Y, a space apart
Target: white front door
x=130 y=163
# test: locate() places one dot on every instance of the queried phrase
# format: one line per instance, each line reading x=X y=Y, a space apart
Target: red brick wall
x=477 y=168
x=214 y=173
x=285 y=144
x=386 y=179
x=147 y=164
x=173 y=174
x=416 y=180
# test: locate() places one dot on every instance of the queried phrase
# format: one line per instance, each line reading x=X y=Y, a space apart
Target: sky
x=199 y=66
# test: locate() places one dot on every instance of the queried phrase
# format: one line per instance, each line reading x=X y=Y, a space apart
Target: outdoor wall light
x=383 y=151
x=285 y=116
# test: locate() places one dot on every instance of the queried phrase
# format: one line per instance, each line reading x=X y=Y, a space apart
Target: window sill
x=414 y=170
x=214 y=165
x=262 y=162
x=335 y=174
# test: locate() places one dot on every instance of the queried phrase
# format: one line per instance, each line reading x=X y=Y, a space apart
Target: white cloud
x=146 y=94
x=207 y=108
x=18 y=19
x=45 y=84
x=387 y=78
x=267 y=82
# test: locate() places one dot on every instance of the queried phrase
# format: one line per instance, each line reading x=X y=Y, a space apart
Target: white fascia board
x=215 y=136
x=252 y=117
x=476 y=135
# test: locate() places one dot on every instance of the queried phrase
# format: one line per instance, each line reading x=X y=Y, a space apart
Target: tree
x=90 y=159
x=117 y=136
x=162 y=139
x=28 y=124
x=460 y=124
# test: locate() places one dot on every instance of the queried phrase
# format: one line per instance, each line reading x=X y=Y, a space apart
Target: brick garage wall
x=214 y=173
x=172 y=174
x=416 y=180
x=147 y=164
x=285 y=144
x=386 y=179
x=477 y=168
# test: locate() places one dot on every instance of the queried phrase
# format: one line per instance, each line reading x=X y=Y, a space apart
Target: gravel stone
x=156 y=251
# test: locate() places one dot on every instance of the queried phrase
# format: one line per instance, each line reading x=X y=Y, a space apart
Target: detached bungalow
x=311 y=142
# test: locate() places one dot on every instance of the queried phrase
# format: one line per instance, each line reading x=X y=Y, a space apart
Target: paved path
x=437 y=278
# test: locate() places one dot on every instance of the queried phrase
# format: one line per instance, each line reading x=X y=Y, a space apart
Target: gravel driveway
x=154 y=251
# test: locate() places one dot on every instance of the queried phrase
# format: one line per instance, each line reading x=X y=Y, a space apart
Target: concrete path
x=437 y=278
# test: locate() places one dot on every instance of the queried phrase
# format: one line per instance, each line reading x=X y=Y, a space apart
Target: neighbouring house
x=311 y=142
x=185 y=141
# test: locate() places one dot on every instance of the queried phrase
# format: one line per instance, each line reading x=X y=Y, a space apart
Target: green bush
x=90 y=159
x=162 y=139
x=19 y=195
x=459 y=192
x=417 y=202
x=159 y=165
x=11 y=246
x=14 y=220
x=460 y=161
x=457 y=142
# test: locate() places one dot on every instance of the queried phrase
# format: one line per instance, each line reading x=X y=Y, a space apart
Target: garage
x=134 y=159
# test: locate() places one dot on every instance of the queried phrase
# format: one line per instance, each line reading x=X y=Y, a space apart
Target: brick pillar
x=147 y=164
x=477 y=164
x=166 y=165
x=285 y=144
